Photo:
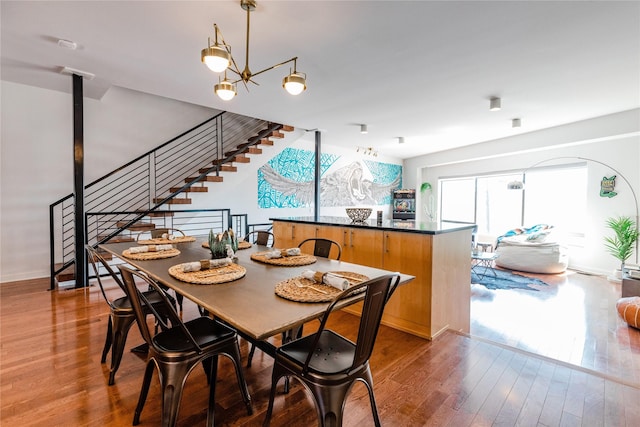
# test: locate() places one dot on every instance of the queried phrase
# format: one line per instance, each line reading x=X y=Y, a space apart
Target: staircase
x=166 y=175
x=226 y=164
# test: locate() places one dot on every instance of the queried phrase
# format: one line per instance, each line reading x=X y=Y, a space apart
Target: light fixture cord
x=246 y=74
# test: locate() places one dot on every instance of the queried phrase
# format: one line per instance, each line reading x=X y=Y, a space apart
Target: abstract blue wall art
x=286 y=181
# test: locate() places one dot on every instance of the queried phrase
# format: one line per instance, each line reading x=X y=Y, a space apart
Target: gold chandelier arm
x=276 y=66
x=235 y=67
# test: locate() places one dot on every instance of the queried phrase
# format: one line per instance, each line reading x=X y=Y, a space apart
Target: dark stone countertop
x=387 y=225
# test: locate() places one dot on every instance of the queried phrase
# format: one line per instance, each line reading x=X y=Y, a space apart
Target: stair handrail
x=226 y=159
x=144 y=191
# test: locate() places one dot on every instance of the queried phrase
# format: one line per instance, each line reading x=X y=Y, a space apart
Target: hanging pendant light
x=295 y=83
x=226 y=90
x=216 y=58
x=219 y=58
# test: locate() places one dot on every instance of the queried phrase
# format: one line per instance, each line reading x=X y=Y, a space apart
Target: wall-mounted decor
x=608 y=186
x=286 y=181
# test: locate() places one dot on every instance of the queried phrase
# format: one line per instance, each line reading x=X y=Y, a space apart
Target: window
x=457 y=200
x=558 y=197
x=498 y=209
x=552 y=195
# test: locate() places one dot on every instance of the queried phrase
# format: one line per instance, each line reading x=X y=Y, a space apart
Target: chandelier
x=367 y=151
x=218 y=58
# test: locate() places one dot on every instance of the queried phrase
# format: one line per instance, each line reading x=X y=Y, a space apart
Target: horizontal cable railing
x=192 y=222
x=150 y=180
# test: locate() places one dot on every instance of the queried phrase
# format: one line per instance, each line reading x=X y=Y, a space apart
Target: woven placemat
x=301 y=289
x=241 y=245
x=145 y=256
x=212 y=276
x=289 y=261
x=163 y=241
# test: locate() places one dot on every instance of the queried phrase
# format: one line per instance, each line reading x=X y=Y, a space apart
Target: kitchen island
x=437 y=254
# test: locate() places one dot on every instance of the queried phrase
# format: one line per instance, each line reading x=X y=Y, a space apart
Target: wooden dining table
x=249 y=304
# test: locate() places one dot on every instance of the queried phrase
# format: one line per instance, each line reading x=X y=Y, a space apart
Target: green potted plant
x=428 y=200
x=219 y=244
x=621 y=245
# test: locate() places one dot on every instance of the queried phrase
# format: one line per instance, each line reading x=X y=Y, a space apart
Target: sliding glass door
x=552 y=195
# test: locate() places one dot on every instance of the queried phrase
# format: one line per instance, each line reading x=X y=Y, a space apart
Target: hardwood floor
x=572 y=320
x=50 y=370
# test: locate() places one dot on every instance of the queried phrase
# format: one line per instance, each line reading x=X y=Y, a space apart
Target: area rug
x=506 y=280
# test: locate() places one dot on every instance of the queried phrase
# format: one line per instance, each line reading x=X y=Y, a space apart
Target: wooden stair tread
x=118 y=239
x=254 y=150
x=190 y=189
x=276 y=134
x=164 y=214
x=137 y=226
x=174 y=201
x=67 y=274
x=266 y=141
x=241 y=159
x=208 y=178
x=228 y=168
x=238 y=152
x=287 y=128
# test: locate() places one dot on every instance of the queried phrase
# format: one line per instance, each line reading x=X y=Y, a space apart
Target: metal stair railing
x=133 y=186
x=192 y=222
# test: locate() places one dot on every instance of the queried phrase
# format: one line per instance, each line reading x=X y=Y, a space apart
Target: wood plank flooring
x=50 y=370
x=573 y=320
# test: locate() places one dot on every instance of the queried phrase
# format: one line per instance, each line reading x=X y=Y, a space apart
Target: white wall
x=37 y=162
x=239 y=190
x=37 y=157
x=613 y=140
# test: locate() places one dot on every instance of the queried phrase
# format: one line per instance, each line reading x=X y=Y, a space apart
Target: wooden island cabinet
x=438 y=255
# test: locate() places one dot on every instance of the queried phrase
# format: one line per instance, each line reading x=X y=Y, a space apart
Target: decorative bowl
x=358 y=214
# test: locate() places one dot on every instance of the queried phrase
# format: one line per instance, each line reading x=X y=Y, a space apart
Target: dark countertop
x=387 y=225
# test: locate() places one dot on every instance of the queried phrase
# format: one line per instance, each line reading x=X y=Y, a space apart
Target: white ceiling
x=424 y=70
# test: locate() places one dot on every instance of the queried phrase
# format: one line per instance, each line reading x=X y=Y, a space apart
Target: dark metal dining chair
x=175 y=352
x=121 y=316
x=260 y=237
x=322 y=247
x=328 y=364
x=157 y=233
